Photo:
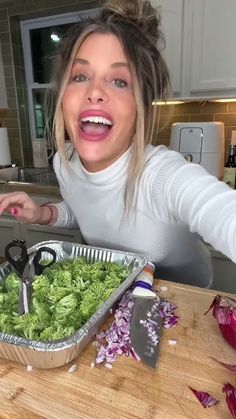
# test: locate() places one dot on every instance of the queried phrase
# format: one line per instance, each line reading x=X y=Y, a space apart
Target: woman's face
x=98 y=104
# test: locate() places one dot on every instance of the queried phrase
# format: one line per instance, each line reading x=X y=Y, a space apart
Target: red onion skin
x=230 y=337
x=224 y=311
x=230 y=392
x=204 y=398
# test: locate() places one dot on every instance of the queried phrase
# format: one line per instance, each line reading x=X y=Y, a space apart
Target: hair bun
x=136 y=12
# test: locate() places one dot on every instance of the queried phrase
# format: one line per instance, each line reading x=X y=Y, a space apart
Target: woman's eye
x=79 y=78
x=120 y=83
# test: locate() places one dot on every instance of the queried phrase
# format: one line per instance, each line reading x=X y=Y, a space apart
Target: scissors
x=27 y=269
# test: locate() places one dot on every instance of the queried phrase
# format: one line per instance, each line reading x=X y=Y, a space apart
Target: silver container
x=56 y=353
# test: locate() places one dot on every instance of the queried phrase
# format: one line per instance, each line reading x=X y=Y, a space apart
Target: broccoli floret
x=2 y=299
x=41 y=287
x=43 y=312
x=92 y=299
x=64 y=307
x=57 y=293
x=13 y=282
x=6 y=324
x=11 y=303
x=28 y=325
x=52 y=333
x=62 y=279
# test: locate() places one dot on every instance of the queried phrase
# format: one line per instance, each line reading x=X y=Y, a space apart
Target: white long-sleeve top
x=176 y=202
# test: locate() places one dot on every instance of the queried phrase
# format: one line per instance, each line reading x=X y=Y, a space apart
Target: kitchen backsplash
x=186 y=112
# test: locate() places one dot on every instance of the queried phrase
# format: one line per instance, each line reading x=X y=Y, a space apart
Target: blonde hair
x=137 y=25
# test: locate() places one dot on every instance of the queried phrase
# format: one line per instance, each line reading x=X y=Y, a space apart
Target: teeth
x=97 y=120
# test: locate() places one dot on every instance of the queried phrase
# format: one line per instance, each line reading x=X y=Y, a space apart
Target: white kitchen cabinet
x=200 y=47
x=171 y=24
x=3 y=93
x=209 y=59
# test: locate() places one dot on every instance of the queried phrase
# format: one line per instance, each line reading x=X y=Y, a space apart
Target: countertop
x=130 y=389
x=32 y=189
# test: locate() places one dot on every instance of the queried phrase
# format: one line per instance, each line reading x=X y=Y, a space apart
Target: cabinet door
x=34 y=233
x=171 y=23
x=3 y=93
x=9 y=230
x=213 y=58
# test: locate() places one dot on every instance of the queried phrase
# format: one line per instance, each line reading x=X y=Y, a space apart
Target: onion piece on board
x=224 y=311
x=204 y=398
x=230 y=392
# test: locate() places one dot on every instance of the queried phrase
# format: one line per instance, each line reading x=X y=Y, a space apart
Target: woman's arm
x=65 y=217
x=23 y=208
x=200 y=200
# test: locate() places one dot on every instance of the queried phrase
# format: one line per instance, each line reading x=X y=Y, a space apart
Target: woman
x=121 y=191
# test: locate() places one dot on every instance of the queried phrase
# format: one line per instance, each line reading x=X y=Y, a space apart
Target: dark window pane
x=44 y=43
x=38 y=104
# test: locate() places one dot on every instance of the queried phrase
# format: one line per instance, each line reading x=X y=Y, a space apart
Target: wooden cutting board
x=130 y=389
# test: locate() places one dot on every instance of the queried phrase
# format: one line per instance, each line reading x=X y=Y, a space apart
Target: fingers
x=25 y=215
x=14 y=199
x=20 y=206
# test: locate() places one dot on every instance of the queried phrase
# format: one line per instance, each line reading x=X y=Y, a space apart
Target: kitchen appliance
x=146 y=320
x=202 y=143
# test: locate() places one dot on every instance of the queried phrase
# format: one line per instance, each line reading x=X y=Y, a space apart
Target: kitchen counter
x=130 y=389
x=33 y=189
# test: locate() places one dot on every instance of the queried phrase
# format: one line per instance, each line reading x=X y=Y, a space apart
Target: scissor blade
x=25 y=300
x=28 y=273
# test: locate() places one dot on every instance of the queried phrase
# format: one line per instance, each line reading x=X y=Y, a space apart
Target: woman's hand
x=23 y=208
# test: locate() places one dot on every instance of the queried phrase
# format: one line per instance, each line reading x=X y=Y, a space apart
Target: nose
x=96 y=93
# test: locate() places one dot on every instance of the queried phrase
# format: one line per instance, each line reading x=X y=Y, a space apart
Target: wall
x=16 y=117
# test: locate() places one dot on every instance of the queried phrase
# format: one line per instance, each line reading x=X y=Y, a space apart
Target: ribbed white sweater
x=175 y=199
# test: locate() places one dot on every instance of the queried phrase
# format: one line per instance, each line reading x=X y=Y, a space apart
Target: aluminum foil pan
x=56 y=353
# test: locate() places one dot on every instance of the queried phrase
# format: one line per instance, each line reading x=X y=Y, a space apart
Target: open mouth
x=95 y=126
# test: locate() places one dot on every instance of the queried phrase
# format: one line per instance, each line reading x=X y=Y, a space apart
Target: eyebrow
x=113 y=65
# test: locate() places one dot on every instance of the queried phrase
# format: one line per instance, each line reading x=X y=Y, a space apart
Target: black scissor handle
x=38 y=266
x=18 y=261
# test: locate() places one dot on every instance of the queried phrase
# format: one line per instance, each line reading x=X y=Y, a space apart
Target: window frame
x=43 y=22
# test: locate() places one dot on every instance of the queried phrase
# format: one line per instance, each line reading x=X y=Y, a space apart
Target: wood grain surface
x=130 y=389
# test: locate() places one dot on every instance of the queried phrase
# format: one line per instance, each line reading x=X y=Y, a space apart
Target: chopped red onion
x=117 y=337
x=224 y=310
x=168 y=313
x=204 y=398
x=230 y=367
x=116 y=341
x=230 y=392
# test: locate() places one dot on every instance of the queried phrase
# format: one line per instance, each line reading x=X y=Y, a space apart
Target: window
x=40 y=39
